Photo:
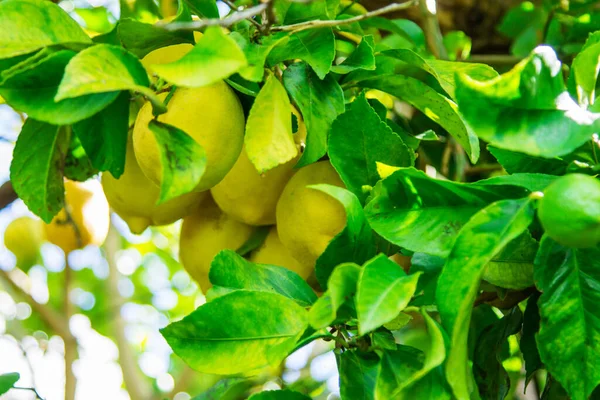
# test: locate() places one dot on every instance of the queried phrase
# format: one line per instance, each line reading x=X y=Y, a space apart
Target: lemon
x=211 y=115
x=204 y=233
x=273 y=252
x=133 y=197
x=89 y=214
x=307 y=219
x=165 y=55
x=570 y=211
x=249 y=196
x=23 y=237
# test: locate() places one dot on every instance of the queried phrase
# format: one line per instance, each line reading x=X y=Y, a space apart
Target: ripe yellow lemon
x=211 y=115
x=273 y=252
x=204 y=233
x=570 y=210
x=307 y=219
x=88 y=209
x=133 y=197
x=165 y=55
x=23 y=237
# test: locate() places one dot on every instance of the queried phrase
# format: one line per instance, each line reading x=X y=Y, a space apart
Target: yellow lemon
x=204 y=233
x=211 y=115
x=89 y=217
x=133 y=197
x=23 y=237
x=307 y=219
x=273 y=252
x=165 y=55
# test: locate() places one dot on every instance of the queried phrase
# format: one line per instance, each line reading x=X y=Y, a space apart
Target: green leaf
x=269 y=140
x=104 y=136
x=394 y=388
x=512 y=267
x=431 y=267
x=37 y=165
x=531 y=326
x=486 y=233
x=285 y=394
x=444 y=71
x=77 y=165
x=358 y=140
x=183 y=160
x=214 y=58
x=585 y=69
x=491 y=377
x=383 y=291
x=256 y=54
x=316 y=47
x=204 y=8
x=435 y=106
x=228 y=389
x=358 y=372
x=320 y=101
x=355 y=243
x=527 y=109
x=340 y=287
x=96 y=19
x=514 y=162
x=102 y=68
x=395 y=368
x=29 y=25
x=361 y=58
x=230 y=270
x=531 y=182
x=33 y=87
x=569 y=336
x=238 y=332
x=140 y=39
x=7 y=381
x=423 y=214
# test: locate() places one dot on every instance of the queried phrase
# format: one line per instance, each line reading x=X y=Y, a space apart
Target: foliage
x=417 y=184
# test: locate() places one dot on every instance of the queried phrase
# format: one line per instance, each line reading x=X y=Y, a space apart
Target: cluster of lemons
x=227 y=206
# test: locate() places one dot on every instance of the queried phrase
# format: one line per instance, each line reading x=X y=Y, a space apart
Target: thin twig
x=233 y=7
x=225 y=22
x=70 y=342
x=431 y=28
x=37 y=395
x=334 y=22
x=7 y=194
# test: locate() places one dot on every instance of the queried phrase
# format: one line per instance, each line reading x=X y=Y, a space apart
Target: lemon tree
x=328 y=178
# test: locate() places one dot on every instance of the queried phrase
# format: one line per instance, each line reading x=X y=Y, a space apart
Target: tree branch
x=225 y=22
x=431 y=27
x=7 y=194
x=70 y=341
x=334 y=22
x=137 y=388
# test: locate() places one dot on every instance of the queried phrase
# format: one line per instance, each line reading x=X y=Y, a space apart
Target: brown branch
x=7 y=194
x=334 y=22
x=136 y=386
x=225 y=22
x=70 y=341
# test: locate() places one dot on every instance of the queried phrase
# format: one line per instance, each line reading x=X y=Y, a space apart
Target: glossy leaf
x=491 y=377
x=529 y=181
x=356 y=165
x=585 y=70
x=29 y=25
x=228 y=389
x=528 y=346
x=77 y=165
x=104 y=136
x=396 y=367
x=316 y=47
x=435 y=106
x=37 y=165
x=7 y=381
x=140 y=38
x=230 y=270
x=527 y=109
x=383 y=291
x=358 y=372
x=361 y=58
x=102 y=68
x=285 y=394
x=204 y=8
x=214 y=58
x=569 y=336
x=355 y=243
x=423 y=214
x=256 y=54
x=515 y=162
x=32 y=90
x=512 y=267
x=320 y=102
x=183 y=160
x=262 y=328
x=340 y=287
x=486 y=233
x=269 y=140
